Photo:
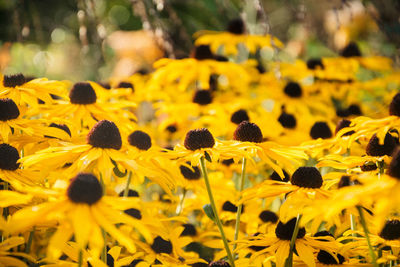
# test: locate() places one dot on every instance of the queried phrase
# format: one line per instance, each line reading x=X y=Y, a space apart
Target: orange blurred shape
x=134 y=50
x=5 y=56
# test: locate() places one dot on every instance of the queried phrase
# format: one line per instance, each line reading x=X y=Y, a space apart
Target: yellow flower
x=29 y=93
x=82 y=211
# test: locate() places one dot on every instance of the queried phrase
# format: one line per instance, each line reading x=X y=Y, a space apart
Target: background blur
x=97 y=39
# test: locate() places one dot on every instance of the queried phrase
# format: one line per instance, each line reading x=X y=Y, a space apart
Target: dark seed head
x=131 y=193
x=394 y=108
x=391 y=230
x=8 y=109
x=268 y=216
x=293 y=89
x=140 y=139
x=351 y=50
x=189 y=230
x=171 y=128
x=394 y=166
x=199 y=138
x=82 y=94
x=133 y=263
x=110 y=260
x=275 y=176
x=239 y=116
x=284 y=231
x=377 y=150
x=320 y=130
x=343 y=124
x=308 y=177
x=202 y=97
x=221 y=58
x=248 y=132
x=105 y=134
x=13 y=80
x=220 y=263
x=287 y=120
x=325 y=257
x=315 y=63
x=202 y=52
x=85 y=188
x=344 y=181
x=227 y=162
x=199 y=264
x=125 y=85
x=236 y=26
x=323 y=233
x=343 y=113
x=188 y=173
x=368 y=166
x=260 y=68
x=229 y=206
x=161 y=245
x=8 y=157
x=61 y=127
x=354 y=109
x=135 y=213
x=105 y=85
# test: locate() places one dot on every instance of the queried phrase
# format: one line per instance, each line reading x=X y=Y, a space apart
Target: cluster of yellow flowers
x=206 y=161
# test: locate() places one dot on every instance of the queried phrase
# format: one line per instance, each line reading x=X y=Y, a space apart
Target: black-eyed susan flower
x=82 y=211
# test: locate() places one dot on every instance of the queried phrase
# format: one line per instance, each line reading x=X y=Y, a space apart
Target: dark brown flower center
x=351 y=50
x=189 y=230
x=391 y=230
x=293 y=90
x=315 y=63
x=203 y=52
x=135 y=213
x=82 y=93
x=325 y=257
x=202 y=97
x=287 y=120
x=161 y=245
x=13 y=80
x=284 y=231
x=105 y=134
x=140 y=139
x=308 y=177
x=248 y=132
x=8 y=157
x=189 y=173
x=320 y=129
x=236 y=26
x=239 y=116
x=268 y=216
x=8 y=109
x=375 y=149
x=85 y=188
x=199 y=138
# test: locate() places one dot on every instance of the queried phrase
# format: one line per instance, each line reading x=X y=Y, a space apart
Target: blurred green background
x=98 y=39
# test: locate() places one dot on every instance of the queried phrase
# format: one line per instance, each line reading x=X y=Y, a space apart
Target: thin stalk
x=80 y=258
x=240 y=207
x=217 y=220
x=180 y=207
x=30 y=239
x=364 y=225
x=353 y=224
x=128 y=181
x=289 y=260
x=104 y=252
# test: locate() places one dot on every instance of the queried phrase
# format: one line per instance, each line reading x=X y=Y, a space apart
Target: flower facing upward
x=85 y=188
x=13 y=80
x=199 y=138
x=308 y=177
x=140 y=139
x=248 y=132
x=8 y=109
x=105 y=134
x=82 y=93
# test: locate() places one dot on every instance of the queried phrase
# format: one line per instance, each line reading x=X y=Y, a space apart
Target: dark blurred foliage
x=71 y=38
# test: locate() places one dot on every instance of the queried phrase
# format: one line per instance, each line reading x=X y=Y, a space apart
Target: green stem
x=128 y=181
x=240 y=207
x=364 y=225
x=30 y=239
x=80 y=258
x=180 y=207
x=217 y=220
x=104 y=252
x=353 y=224
x=289 y=260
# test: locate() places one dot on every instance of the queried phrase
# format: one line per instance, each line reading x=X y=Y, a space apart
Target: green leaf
x=209 y=211
x=207 y=156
